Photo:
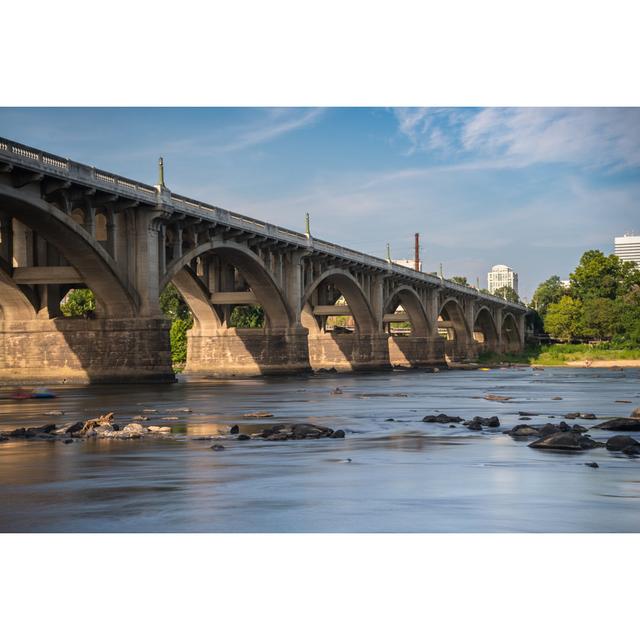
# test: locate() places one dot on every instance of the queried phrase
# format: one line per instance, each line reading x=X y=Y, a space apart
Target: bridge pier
x=247 y=352
x=79 y=350
x=348 y=351
x=416 y=352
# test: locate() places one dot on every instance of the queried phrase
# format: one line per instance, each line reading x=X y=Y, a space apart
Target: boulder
x=620 y=424
x=235 y=430
x=618 y=443
x=155 y=429
x=68 y=440
x=527 y=413
x=525 y=418
x=217 y=447
x=474 y=426
x=571 y=416
x=3 y=438
x=303 y=430
x=587 y=416
x=549 y=429
x=523 y=431
x=578 y=429
x=493 y=421
x=243 y=436
x=338 y=433
x=134 y=427
x=442 y=418
x=593 y=465
x=564 y=441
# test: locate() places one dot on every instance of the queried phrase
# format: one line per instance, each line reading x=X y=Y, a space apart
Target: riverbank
x=572 y=355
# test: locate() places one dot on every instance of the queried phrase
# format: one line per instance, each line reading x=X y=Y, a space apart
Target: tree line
x=601 y=302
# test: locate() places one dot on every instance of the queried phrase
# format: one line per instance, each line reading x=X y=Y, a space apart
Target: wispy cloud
x=607 y=137
x=266 y=126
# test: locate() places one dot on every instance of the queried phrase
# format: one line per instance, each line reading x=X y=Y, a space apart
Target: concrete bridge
x=66 y=225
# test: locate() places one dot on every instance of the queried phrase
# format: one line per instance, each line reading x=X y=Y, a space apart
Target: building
x=502 y=276
x=410 y=264
x=627 y=248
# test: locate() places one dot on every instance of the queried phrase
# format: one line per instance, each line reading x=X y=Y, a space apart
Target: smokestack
x=417 y=253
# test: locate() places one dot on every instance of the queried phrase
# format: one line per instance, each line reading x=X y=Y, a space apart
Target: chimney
x=417 y=253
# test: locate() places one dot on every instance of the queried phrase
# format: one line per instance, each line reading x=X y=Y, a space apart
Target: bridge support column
x=247 y=352
x=415 y=352
x=349 y=351
x=79 y=350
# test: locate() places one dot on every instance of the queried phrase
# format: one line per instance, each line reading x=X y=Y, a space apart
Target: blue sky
x=531 y=188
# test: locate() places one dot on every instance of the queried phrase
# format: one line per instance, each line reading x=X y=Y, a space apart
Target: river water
x=385 y=476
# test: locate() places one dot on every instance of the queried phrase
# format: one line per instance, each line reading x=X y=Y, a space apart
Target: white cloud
x=525 y=136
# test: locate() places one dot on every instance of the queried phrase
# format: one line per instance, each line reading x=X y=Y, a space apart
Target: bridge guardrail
x=39 y=160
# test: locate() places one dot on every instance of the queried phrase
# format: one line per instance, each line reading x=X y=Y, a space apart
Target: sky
x=530 y=188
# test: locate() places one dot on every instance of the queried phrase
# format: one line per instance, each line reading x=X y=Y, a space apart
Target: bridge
x=66 y=225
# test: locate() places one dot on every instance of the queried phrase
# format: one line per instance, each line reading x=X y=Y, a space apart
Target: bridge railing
x=38 y=160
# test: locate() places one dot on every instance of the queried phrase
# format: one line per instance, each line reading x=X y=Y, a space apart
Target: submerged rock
x=217 y=447
x=593 y=465
x=495 y=398
x=620 y=424
x=523 y=431
x=258 y=414
x=618 y=443
x=493 y=421
x=243 y=436
x=442 y=418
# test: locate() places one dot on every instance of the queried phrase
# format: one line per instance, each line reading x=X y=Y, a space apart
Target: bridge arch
x=79 y=249
x=510 y=334
x=14 y=303
x=343 y=282
x=252 y=269
x=410 y=301
x=453 y=327
x=485 y=331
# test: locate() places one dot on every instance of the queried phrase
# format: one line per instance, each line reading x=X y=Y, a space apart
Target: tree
x=175 y=309
x=78 y=303
x=247 y=317
x=601 y=318
x=600 y=276
x=172 y=304
x=548 y=292
x=563 y=319
x=508 y=293
x=460 y=280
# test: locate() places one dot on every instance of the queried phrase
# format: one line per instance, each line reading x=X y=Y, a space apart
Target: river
x=385 y=476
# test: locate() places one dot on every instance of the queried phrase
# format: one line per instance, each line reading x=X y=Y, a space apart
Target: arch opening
x=510 y=334
x=485 y=334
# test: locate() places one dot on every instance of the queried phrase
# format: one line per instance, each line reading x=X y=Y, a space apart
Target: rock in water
x=258 y=414
x=338 y=433
x=636 y=413
x=618 y=443
x=495 y=398
x=442 y=418
x=593 y=465
x=564 y=441
x=620 y=424
x=523 y=431
x=3 y=438
x=235 y=430
x=217 y=447
x=243 y=436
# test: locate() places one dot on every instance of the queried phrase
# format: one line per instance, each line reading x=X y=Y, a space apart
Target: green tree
x=564 y=319
x=548 y=292
x=508 y=293
x=600 y=276
x=178 y=337
x=460 y=280
x=78 y=303
x=247 y=317
x=601 y=318
x=175 y=309
x=172 y=304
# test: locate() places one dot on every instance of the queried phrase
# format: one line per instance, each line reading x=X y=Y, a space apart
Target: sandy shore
x=594 y=364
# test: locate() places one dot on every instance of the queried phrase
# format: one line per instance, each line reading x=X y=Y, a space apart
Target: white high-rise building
x=502 y=276
x=627 y=248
